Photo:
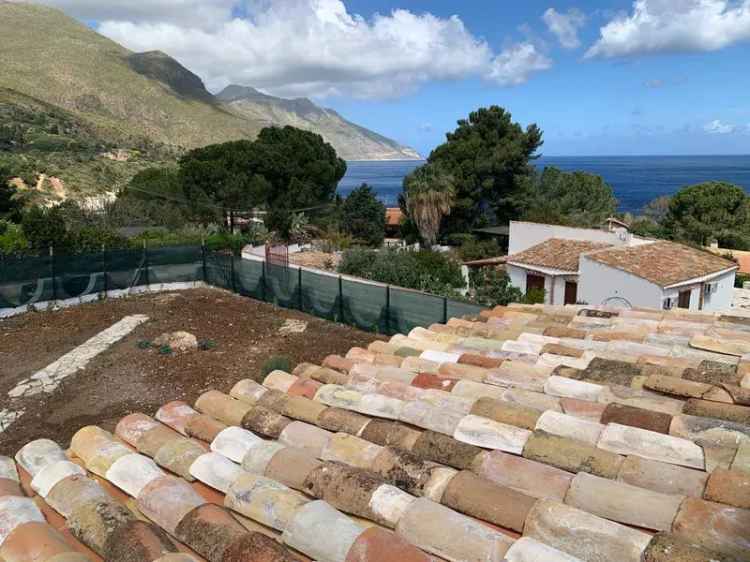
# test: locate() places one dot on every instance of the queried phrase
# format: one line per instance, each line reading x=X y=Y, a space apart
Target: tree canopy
x=488 y=156
x=708 y=211
x=571 y=198
x=220 y=179
x=363 y=216
x=10 y=205
x=429 y=195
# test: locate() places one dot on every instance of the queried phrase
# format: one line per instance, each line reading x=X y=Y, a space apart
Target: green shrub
x=534 y=296
x=206 y=345
x=12 y=239
x=363 y=216
x=275 y=363
x=491 y=287
x=425 y=270
x=475 y=249
x=741 y=278
x=459 y=238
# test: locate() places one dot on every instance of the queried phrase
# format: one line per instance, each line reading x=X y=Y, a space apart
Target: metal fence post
x=341 y=299
x=203 y=260
x=104 y=268
x=231 y=271
x=52 y=271
x=145 y=263
x=388 y=309
x=263 y=282
x=299 y=286
x=445 y=310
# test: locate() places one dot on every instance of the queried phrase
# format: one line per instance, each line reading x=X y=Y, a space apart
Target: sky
x=608 y=77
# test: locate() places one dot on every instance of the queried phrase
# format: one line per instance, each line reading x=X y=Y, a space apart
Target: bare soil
x=128 y=378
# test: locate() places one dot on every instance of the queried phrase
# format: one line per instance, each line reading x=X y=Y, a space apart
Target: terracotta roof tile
x=393 y=216
x=386 y=461
x=556 y=253
x=663 y=263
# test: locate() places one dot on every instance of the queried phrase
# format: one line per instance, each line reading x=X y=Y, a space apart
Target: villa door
x=684 y=299
x=571 y=292
x=534 y=282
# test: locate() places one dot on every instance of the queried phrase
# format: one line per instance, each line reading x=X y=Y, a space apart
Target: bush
x=275 y=363
x=363 y=216
x=91 y=239
x=425 y=270
x=12 y=240
x=740 y=279
x=475 y=249
x=459 y=238
x=45 y=227
x=491 y=287
x=534 y=296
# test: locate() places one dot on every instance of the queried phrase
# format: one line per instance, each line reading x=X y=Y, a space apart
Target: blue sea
x=636 y=180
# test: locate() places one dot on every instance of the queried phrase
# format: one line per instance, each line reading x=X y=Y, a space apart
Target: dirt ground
x=126 y=378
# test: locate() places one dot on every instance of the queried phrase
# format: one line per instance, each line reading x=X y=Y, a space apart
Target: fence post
x=263 y=282
x=203 y=260
x=105 y=263
x=145 y=263
x=341 y=299
x=388 y=309
x=299 y=286
x=52 y=271
x=231 y=271
x=445 y=310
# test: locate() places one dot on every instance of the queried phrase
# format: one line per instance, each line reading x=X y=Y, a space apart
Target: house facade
x=661 y=274
x=612 y=267
x=552 y=266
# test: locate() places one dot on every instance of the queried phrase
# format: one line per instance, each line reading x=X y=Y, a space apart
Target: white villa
x=613 y=267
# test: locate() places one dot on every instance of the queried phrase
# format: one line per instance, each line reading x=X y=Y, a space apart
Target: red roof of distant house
x=393 y=216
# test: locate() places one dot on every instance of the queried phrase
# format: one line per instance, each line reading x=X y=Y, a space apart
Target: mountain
x=351 y=141
x=131 y=98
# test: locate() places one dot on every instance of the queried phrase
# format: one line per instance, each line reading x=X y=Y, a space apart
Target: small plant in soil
x=143 y=344
x=166 y=350
x=275 y=363
x=206 y=345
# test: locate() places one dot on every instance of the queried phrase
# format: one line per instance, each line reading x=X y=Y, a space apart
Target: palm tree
x=429 y=195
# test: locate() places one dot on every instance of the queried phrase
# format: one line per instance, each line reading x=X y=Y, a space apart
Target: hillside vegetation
x=62 y=154
x=124 y=97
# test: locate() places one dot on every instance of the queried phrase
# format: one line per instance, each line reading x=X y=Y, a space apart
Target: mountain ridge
x=128 y=96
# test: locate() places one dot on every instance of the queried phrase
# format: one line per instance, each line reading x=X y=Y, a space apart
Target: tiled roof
x=393 y=216
x=560 y=434
x=663 y=263
x=556 y=253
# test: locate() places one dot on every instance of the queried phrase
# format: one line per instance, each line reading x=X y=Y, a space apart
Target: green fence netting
x=78 y=276
x=218 y=270
x=320 y=295
x=25 y=281
x=176 y=264
x=365 y=306
x=283 y=286
x=368 y=306
x=125 y=269
x=409 y=309
x=248 y=276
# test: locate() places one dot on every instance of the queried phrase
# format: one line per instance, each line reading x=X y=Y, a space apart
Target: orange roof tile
x=556 y=253
x=663 y=263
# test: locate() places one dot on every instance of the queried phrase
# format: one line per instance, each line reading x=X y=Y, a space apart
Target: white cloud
x=565 y=26
x=674 y=25
x=718 y=127
x=515 y=64
x=202 y=13
x=308 y=47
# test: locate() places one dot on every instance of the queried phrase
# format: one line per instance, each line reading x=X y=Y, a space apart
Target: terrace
x=525 y=433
